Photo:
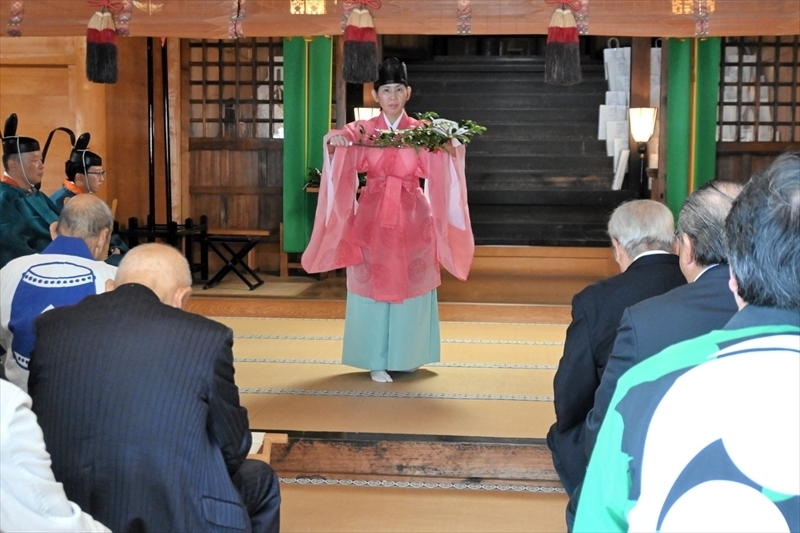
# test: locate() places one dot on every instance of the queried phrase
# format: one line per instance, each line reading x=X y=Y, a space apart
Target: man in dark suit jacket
x=139 y=409
x=642 y=234
x=705 y=304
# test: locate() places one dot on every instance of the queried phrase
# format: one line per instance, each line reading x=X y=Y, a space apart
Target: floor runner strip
x=445 y=365
x=444 y=341
x=421 y=485
x=390 y=394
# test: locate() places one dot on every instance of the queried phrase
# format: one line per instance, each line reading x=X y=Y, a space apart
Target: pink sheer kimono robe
x=393 y=238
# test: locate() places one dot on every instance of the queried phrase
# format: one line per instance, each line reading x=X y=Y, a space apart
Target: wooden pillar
x=341 y=85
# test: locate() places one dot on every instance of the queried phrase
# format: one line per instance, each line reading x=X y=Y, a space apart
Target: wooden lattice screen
x=759 y=90
x=236 y=88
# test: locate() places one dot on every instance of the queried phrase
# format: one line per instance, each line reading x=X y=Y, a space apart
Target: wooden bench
x=241 y=262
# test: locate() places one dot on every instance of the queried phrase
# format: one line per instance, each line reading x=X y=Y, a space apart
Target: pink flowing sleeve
x=447 y=192
x=327 y=249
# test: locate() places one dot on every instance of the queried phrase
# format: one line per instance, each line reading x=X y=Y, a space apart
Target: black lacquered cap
x=13 y=143
x=392 y=70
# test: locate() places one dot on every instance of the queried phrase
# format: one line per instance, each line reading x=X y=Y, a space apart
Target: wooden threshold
x=389 y=456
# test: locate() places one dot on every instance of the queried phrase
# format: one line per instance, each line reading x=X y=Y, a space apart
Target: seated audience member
x=704 y=436
x=642 y=234
x=85 y=175
x=25 y=212
x=30 y=497
x=704 y=304
x=140 y=411
x=70 y=268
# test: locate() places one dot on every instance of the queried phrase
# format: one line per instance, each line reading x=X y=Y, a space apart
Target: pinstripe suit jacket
x=140 y=412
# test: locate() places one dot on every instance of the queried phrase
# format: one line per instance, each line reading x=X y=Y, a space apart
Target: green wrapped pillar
x=679 y=105
x=691 y=116
x=706 y=103
x=307 y=117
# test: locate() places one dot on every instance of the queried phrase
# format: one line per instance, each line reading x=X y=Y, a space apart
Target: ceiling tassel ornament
x=464 y=17
x=360 y=58
x=562 y=63
x=101 y=43
x=14 y=26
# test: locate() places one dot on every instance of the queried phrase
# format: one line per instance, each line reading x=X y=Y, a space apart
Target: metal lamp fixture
x=642 y=122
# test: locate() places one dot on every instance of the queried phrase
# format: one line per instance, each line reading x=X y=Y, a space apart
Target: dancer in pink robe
x=393 y=237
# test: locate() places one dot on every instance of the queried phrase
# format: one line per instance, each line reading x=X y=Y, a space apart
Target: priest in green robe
x=25 y=212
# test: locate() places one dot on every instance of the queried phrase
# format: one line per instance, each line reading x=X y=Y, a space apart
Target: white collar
x=704 y=271
x=650 y=252
x=393 y=125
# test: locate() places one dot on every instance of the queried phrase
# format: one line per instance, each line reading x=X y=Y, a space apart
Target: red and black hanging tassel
x=360 y=61
x=562 y=63
x=101 y=46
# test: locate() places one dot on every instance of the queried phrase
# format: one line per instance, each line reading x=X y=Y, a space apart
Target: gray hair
x=642 y=225
x=85 y=219
x=702 y=219
x=763 y=239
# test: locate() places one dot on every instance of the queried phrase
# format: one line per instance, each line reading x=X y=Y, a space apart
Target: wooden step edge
x=455 y=460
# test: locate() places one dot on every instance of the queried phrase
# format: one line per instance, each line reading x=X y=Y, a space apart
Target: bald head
x=160 y=268
x=87 y=217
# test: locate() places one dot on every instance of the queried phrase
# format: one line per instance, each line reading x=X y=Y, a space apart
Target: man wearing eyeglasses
x=85 y=175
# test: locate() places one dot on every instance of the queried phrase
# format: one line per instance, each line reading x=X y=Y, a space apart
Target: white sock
x=409 y=370
x=381 y=376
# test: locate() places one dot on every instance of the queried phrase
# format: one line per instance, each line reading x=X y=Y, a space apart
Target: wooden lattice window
x=236 y=88
x=759 y=90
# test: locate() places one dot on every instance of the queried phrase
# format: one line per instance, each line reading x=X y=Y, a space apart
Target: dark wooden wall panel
x=740 y=161
x=237 y=183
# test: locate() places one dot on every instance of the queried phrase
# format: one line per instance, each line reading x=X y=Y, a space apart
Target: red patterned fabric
x=394 y=238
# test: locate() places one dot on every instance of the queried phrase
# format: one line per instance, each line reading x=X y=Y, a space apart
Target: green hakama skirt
x=389 y=336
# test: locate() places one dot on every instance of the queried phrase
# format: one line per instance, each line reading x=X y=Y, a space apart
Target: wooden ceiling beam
x=271 y=18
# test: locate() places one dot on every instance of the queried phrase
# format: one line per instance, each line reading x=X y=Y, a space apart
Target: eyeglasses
x=102 y=173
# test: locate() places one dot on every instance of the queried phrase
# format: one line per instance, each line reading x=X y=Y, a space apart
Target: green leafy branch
x=433 y=134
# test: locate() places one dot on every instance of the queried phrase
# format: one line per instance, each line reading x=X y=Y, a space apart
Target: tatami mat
x=310 y=508
x=434 y=380
x=331 y=350
x=421 y=416
x=449 y=330
x=494 y=380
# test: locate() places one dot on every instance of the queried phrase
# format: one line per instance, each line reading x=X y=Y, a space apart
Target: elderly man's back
x=140 y=412
x=642 y=236
x=68 y=269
